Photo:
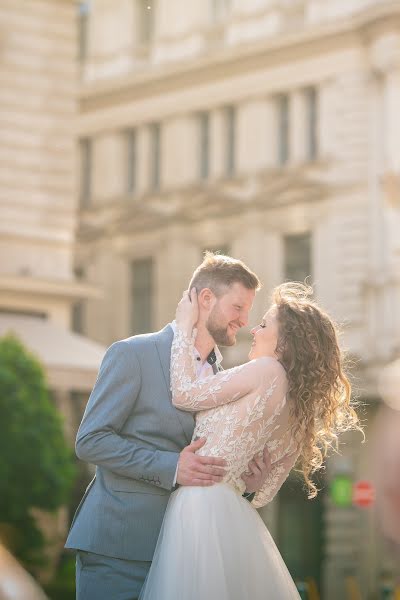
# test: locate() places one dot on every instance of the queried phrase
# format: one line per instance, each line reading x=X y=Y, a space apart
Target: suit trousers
x=101 y=577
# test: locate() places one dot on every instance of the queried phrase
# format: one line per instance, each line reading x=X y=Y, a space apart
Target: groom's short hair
x=218 y=272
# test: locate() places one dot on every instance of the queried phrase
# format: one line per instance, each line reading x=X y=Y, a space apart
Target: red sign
x=363 y=494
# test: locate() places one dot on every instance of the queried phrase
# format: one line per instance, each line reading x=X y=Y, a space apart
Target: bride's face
x=265 y=336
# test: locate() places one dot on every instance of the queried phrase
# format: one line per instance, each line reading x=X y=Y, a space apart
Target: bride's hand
x=187 y=312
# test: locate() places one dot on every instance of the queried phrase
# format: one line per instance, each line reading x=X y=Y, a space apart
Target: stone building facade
x=38 y=111
x=267 y=129
x=38 y=287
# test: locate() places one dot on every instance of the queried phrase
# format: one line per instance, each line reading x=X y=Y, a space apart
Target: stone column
x=143 y=158
x=385 y=218
x=109 y=170
x=180 y=156
x=326 y=120
x=255 y=135
x=217 y=143
x=392 y=205
x=271 y=132
x=392 y=116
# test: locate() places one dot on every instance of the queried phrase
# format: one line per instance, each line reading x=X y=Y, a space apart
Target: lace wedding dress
x=213 y=544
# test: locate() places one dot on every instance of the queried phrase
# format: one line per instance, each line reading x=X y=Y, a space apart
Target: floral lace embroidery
x=238 y=411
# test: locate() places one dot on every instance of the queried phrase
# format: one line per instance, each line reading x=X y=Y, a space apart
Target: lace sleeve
x=226 y=386
x=276 y=477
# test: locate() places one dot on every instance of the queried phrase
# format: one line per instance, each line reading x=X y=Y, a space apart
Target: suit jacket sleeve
x=99 y=440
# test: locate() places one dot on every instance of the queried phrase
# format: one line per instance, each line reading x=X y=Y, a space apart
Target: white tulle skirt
x=213 y=545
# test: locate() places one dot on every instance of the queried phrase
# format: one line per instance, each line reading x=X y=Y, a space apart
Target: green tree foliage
x=36 y=465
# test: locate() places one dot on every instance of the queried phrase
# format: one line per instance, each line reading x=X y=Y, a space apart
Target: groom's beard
x=221 y=335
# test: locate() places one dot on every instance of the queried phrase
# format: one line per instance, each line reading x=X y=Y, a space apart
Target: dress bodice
x=238 y=411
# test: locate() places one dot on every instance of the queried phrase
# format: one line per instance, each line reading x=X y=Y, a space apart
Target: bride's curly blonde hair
x=318 y=387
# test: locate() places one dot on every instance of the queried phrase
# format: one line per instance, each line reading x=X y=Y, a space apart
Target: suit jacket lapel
x=163 y=344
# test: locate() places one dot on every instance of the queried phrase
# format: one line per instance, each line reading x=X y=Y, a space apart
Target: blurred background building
x=38 y=104
x=38 y=288
x=266 y=129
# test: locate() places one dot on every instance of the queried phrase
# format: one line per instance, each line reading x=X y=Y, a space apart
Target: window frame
x=291 y=271
x=283 y=132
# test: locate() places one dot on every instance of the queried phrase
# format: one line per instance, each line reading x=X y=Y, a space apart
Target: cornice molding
x=63 y=289
x=269 y=189
x=233 y=60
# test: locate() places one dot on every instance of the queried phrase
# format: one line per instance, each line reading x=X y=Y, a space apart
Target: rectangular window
x=311 y=99
x=155 y=156
x=297 y=257
x=230 y=141
x=283 y=129
x=83 y=29
x=142 y=295
x=145 y=22
x=86 y=172
x=131 y=161
x=204 y=145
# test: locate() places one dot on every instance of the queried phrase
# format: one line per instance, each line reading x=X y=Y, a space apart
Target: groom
x=141 y=445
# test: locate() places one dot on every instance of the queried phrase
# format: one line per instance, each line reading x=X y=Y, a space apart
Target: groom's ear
x=206 y=299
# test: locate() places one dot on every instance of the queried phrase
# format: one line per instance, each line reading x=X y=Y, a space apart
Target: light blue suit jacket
x=133 y=434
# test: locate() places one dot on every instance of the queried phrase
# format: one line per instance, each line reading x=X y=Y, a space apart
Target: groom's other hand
x=199 y=470
x=257 y=472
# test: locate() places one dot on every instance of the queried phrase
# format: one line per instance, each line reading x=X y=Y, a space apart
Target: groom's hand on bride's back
x=199 y=470
x=257 y=472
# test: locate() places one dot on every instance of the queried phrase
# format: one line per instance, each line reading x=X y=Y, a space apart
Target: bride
x=293 y=396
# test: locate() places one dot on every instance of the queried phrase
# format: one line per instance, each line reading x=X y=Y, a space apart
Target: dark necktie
x=212 y=360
